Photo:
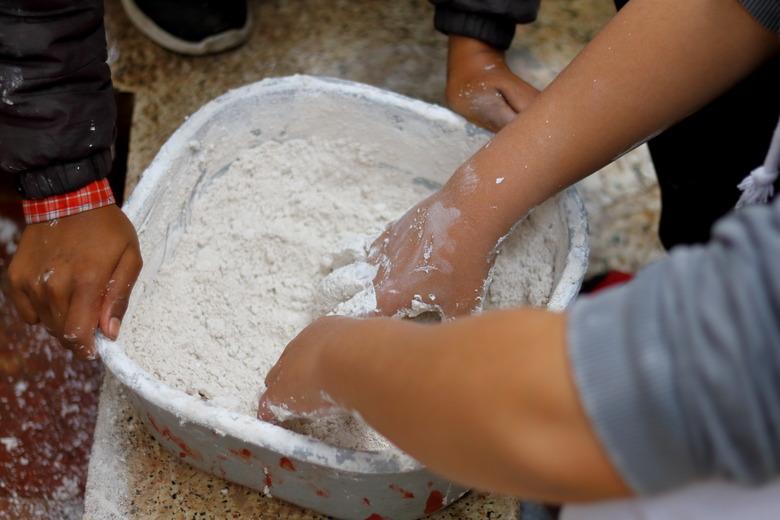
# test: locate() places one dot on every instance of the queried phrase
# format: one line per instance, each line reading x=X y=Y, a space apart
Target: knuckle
x=52 y=285
x=77 y=335
x=87 y=278
x=69 y=338
x=16 y=276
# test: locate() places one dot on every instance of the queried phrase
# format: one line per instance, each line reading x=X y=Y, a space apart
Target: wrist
x=466 y=54
x=96 y=194
x=333 y=364
x=358 y=356
x=482 y=220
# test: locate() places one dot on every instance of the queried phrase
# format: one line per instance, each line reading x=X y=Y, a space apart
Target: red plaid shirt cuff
x=92 y=196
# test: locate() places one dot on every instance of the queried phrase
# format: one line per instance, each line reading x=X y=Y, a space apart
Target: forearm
x=653 y=64
x=487 y=401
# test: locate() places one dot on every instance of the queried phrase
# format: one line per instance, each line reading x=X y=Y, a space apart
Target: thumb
x=118 y=292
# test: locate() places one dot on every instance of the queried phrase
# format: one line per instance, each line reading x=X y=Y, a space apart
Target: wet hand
x=434 y=258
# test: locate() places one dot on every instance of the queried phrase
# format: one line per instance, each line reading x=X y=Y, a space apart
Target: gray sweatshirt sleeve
x=679 y=370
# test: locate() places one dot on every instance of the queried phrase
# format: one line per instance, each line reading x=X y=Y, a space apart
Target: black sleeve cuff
x=494 y=30
x=63 y=178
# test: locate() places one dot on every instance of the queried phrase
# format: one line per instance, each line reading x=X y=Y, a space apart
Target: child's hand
x=480 y=86
x=434 y=256
x=294 y=385
x=75 y=274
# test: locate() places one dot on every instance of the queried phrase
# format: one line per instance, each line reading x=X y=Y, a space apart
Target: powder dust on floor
x=48 y=407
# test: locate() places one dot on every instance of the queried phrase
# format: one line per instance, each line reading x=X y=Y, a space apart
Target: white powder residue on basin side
x=243 y=278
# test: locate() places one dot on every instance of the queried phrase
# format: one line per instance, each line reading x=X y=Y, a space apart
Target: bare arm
x=487 y=401
x=653 y=64
x=528 y=402
x=490 y=400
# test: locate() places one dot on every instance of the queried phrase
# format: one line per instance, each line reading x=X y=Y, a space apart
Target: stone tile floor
x=48 y=406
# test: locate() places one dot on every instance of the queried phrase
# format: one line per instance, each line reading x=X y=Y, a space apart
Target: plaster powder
x=251 y=270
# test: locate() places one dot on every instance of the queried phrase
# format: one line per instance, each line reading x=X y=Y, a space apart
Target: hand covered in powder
x=434 y=258
x=75 y=275
x=481 y=87
x=294 y=386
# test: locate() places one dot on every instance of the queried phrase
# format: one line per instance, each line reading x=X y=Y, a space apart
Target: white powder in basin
x=244 y=277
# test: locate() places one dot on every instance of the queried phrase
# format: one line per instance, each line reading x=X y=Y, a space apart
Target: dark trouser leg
x=700 y=160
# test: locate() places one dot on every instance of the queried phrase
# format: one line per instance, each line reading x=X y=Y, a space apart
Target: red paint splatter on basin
x=287 y=464
x=375 y=517
x=404 y=493
x=435 y=502
x=166 y=433
x=268 y=480
x=322 y=493
x=366 y=501
x=243 y=453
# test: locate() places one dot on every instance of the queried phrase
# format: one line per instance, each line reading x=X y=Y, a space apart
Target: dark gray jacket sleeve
x=679 y=370
x=767 y=12
x=491 y=21
x=57 y=111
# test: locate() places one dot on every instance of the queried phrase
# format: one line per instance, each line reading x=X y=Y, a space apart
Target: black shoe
x=194 y=27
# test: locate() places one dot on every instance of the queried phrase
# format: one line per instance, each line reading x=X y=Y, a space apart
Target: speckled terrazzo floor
x=386 y=43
